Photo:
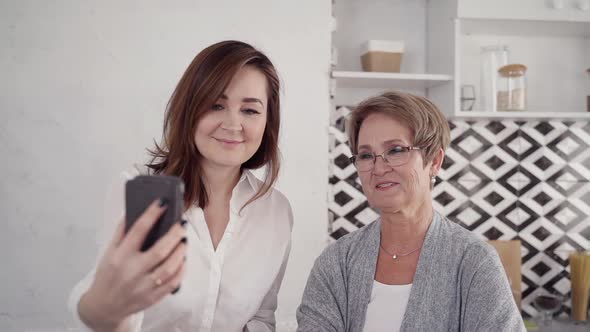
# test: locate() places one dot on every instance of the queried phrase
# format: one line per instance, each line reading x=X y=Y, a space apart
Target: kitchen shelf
x=443 y=41
x=526 y=115
x=503 y=27
x=403 y=81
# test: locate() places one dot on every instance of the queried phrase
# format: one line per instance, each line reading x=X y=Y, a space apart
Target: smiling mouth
x=228 y=141
x=385 y=185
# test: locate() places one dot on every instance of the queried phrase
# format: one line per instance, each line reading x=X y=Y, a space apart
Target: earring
x=433 y=180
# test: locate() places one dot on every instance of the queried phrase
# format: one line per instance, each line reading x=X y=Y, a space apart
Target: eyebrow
x=246 y=100
x=366 y=146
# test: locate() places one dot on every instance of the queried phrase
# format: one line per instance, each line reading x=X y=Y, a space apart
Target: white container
x=382 y=55
x=492 y=59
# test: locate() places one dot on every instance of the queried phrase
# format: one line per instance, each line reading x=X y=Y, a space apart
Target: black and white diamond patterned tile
x=345 y=198
x=469 y=186
x=354 y=181
x=364 y=214
x=528 y=250
x=519 y=180
x=469 y=174
x=453 y=163
x=528 y=288
x=495 y=131
x=566 y=215
x=341 y=226
x=566 y=187
x=582 y=237
x=341 y=165
x=339 y=116
x=502 y=180
x=470 y=144
x=494 y=162
x=519 y=144
x=561 y=249
x=544 y=132
x=494 y=229
x=495 y=127
x=544 y=273
x=470 y=216
x=541 y=234
x=458 y=128
x=557 y=284
x=518 y=216
x=447 y=198
x=528 y=145
x=543 y=163
x=581 y=164
x=541 y=268
x=511 y=145
x=542 y=198
x=495 y=199
x=560 y=283
x=568 y=145
x=581 y=129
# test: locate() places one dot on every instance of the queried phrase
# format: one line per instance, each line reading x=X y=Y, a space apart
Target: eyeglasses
x=394 y=156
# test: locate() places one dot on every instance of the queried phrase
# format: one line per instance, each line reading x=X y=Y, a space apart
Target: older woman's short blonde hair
x=429 y=127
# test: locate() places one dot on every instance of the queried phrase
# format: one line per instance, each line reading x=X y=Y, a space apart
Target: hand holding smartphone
x=141 y=191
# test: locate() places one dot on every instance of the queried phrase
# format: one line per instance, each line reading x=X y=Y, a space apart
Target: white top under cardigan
x=387 y=307
x=233 y=288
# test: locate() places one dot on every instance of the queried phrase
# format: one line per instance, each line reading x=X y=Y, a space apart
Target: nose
x=381 y=167
x=232 y=120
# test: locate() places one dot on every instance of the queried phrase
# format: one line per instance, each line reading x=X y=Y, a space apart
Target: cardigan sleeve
x=489 y=304
x=324 y=298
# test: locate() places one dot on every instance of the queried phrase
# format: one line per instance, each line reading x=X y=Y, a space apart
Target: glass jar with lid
x=512 y=88
x=492 y=58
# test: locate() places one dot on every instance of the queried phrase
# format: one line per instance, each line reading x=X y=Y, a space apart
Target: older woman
x=411 y=269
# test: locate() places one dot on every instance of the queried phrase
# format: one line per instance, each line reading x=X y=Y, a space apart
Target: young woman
x=229 y=254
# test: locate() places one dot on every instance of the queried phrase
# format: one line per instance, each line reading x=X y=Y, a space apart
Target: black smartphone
x=142 y=191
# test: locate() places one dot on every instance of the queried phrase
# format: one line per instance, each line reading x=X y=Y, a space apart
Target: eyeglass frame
x=408 y=149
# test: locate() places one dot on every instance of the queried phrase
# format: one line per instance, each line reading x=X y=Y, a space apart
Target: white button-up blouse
x=232 y=288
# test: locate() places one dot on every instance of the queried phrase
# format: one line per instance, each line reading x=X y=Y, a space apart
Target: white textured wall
x=83 y=86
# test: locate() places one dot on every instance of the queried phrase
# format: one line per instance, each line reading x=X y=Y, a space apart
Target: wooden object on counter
x=580 y=277
x=509 y=252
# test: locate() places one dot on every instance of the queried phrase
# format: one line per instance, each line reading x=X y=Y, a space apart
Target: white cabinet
x=550 y=37
x=406 y=20
x=444 y=39
x=540 y=10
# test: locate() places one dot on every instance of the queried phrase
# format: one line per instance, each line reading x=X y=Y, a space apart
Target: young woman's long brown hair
x=202 y=84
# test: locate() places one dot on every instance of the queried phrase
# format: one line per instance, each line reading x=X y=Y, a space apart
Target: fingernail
x=163 y=202
x=183 y=223
x=184 y=239
x=176 y=290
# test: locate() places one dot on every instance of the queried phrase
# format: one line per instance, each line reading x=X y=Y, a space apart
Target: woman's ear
x=437 y=162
